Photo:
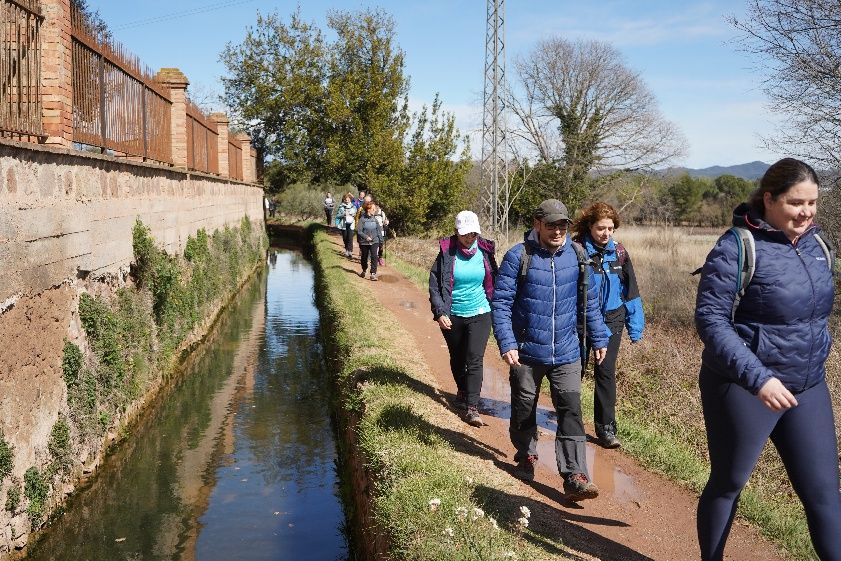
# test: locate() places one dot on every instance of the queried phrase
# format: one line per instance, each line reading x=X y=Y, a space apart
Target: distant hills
x=752 y=170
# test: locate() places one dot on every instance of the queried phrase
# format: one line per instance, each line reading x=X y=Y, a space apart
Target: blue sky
x=683 y=50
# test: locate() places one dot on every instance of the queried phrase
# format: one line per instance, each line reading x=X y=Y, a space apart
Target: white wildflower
x=434 y=504
x=448 y=532
x=477 y=513
x=492 y=520
x=526 y=512
x=461 y=512
x=509 y=555
x=524 y=522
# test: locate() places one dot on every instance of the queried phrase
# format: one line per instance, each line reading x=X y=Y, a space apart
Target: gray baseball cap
x=551 y=211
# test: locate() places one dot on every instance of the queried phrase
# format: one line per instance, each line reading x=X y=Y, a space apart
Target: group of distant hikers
x=568 y=290
x=362 y=216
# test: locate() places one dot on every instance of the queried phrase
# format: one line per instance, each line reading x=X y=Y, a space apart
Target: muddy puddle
x=237 y=460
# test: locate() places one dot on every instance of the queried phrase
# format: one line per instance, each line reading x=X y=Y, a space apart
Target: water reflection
x=237 y=461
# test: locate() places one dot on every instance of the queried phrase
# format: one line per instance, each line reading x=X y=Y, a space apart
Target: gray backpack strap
x=746 y=263
x=525 y=259
x=828 y=250
x=583 y=286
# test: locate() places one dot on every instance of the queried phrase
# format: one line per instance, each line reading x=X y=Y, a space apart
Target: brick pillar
x=248 y=171
x=57 y=72
x=177 y=83
x=222 y=122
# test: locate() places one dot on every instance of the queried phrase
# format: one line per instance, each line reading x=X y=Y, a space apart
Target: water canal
x=237 y=460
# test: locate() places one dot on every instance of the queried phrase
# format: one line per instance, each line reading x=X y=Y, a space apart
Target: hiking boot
x=578 y=487
x=607 y=439
x=374 y=276
x=525 y=468
x=606 y=436
x=472 y=417
x=362 y=274
x=460 y=402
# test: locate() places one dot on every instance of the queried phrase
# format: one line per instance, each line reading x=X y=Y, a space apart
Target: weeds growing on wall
x=13 y=496
x=36 y=488
x=134 y=335
x=7 y=457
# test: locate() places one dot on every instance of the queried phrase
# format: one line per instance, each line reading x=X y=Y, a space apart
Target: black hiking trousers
x=604 y=396
x=466 y=341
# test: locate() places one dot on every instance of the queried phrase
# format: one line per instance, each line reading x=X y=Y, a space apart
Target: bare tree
x=579 y=107
x=797 y=43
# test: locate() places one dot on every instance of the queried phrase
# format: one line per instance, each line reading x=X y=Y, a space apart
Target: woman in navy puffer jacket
x=762 y=371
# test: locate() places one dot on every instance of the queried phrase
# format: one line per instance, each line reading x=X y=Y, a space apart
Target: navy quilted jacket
x=781 y=325
x=539 y=320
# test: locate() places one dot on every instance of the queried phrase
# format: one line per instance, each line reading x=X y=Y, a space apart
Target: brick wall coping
x=117 y=162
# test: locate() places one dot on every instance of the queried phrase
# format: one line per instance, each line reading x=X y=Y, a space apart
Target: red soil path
x=638 y=516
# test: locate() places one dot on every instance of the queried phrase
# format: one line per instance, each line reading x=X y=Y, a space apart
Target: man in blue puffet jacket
x=535 y=324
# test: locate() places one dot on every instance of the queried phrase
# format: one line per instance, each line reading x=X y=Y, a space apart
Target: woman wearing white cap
x=460 y=290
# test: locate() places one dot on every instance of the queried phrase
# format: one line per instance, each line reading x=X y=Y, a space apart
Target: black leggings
x=738 y=425
x=371 y=252
x=347 y=236
x=466 y=341
x=604 y=396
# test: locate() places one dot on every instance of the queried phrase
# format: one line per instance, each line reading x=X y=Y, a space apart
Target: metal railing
x=202 y=141
x=20 y=69
x=117 y=105
x=235 y=161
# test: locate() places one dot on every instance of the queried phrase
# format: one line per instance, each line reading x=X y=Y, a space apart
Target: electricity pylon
x=494 y=138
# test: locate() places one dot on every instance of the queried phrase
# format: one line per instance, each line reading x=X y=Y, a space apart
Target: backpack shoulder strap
x=828 y=248
x=583 y=285
x=525 y=260
x=621 y=254
x=746 y=247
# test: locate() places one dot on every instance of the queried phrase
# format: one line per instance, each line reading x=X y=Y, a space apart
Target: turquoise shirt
x=469 y=298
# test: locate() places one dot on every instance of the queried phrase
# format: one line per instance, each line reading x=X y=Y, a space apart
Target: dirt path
x=638 y=516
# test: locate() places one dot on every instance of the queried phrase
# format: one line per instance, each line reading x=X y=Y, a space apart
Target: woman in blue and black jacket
x=620 y=304
x=763 y=367
x=461 y=282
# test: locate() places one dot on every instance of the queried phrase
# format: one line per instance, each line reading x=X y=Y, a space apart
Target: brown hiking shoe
x=472 y=417
x=578 y=487
x=525 y=468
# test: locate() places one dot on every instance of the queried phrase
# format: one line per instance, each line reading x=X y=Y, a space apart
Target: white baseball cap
x=467 y=222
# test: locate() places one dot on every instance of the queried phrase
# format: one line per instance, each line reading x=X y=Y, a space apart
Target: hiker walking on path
x=762 y=310
x=460 y=290
x=544 y=295
x=369 y=237
x=329 y=205
x=347 y=214
x=620 y=305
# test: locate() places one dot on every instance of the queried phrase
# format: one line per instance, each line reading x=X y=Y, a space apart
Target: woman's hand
x=444 y=322
x=775 y=396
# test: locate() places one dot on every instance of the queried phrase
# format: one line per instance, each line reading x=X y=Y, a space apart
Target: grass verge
x=433 y=492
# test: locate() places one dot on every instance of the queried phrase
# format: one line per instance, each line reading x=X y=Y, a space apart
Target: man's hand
x=775 y=396
x=512 y=357
x=600 y=354
x=444 y=322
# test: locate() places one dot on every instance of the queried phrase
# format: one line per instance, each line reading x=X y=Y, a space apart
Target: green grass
x=406 y=440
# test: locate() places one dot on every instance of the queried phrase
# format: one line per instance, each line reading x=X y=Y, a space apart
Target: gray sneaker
x=472 y=417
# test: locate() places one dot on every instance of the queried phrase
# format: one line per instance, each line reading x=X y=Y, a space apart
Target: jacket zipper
x=811 y=318
x=554 y=285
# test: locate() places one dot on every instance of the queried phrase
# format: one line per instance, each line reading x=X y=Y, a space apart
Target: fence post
x=221 y=147
x=57 y=72
x=248 y=174
x=177 y=83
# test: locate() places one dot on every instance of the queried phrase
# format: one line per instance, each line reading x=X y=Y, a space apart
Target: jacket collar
x=591 y=247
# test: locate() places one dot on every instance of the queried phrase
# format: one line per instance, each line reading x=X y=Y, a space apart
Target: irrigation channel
x=237 y=460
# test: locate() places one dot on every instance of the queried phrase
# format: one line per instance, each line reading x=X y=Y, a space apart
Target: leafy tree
x=580 y=109
x=686 y=195
x=367 y=104
x=275 y=87
x=433 y=175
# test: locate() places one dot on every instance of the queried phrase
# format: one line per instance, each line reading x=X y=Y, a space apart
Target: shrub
x=36 y=489
x=13 y=497
x=7 y=457
x=71 y=363
x=59 y=446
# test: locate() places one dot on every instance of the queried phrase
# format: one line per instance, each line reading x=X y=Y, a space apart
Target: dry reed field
x=657 y=378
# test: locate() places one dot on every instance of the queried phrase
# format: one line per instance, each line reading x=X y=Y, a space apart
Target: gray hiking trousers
x=565 y=386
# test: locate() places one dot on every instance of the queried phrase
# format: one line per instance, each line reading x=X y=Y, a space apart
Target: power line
x=182 y=14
